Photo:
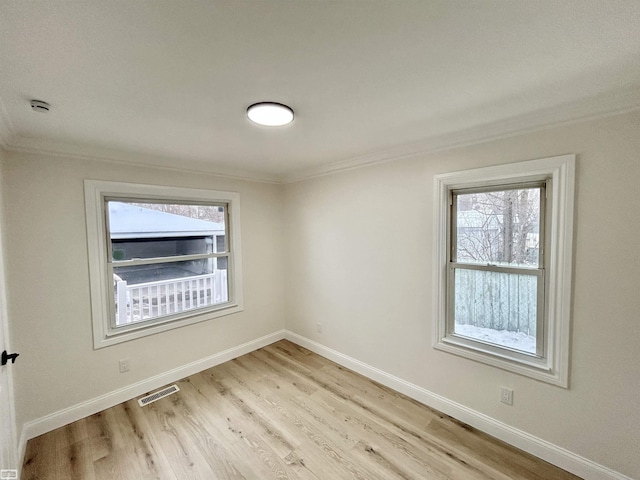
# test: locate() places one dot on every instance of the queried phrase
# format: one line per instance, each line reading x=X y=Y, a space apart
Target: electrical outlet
x=319 y=327
x=124 y=366
x=506 y=395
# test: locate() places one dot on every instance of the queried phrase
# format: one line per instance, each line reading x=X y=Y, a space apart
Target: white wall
x=360 y=246
x=357 y=254
x=48 y=282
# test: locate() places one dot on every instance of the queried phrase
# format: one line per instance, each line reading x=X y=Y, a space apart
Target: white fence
x=143 y=301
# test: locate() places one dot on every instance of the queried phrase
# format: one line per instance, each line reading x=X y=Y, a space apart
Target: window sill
x=532 y=367
x=115 y=336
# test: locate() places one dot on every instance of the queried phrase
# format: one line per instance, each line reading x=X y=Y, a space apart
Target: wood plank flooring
x=280 y=412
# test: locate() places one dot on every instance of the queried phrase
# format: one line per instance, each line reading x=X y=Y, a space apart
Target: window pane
x=147 y=292
x=221 y=246
x=153 y=230
x=497 y=308
x=500 y=227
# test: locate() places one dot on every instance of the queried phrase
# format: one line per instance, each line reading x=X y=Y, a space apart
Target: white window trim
x=95 y=192
x=560 y=170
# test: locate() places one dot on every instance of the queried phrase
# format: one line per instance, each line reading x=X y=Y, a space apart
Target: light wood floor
x=280 y=412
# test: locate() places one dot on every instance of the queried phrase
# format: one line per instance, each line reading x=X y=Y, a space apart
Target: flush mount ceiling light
x=270 y=114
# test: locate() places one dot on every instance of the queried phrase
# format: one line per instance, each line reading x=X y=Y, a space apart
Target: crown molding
x=85 y=152
x=599 y=106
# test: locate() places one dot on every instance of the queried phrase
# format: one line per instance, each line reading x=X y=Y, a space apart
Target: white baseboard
x=547 y=451
x=76 y=412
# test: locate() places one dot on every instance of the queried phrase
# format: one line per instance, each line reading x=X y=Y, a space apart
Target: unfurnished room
x=320 y=239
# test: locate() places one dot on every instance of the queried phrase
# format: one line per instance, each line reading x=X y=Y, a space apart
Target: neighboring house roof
x=131 y=221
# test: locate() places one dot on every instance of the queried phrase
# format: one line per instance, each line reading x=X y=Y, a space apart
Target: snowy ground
x=519 y=341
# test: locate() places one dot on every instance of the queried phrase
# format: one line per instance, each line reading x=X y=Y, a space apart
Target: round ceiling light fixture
x=270 y=114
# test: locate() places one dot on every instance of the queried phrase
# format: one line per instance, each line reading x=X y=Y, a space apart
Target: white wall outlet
x=319 y=327
x=124 y=366
x=506 y=395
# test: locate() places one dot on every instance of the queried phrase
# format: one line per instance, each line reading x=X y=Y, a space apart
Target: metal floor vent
x=158 y=395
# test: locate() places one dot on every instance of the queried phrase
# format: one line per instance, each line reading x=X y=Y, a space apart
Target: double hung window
x=496 y=267
x=503 y=255
x=160 y=257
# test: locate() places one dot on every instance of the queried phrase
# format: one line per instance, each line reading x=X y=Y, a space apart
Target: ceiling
x=168 y=82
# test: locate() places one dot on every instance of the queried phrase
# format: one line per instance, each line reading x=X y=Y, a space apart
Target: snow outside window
x=160 y=257
x=503 y=251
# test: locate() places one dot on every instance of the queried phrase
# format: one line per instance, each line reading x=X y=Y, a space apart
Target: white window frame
x=101 y=285
x=552 y=363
